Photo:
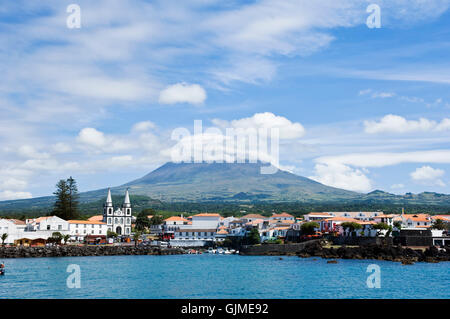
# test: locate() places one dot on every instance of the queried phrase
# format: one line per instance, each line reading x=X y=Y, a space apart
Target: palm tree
x=57 y=237
x=66 y=238
x=438 y=224
x=136 y=237
x=4 y=236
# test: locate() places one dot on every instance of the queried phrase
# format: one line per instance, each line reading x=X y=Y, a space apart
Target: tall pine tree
x=73 y=198
x=66 y=204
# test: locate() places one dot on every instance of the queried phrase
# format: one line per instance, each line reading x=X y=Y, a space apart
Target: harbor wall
x=73 y=251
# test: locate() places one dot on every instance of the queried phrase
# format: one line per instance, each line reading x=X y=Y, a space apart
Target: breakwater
x=373 y=251
x=276 y=249
x=74 y=251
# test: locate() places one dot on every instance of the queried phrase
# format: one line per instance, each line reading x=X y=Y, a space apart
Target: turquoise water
x=220 y=276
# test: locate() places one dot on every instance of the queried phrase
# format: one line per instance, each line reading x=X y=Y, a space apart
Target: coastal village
x=116 y=226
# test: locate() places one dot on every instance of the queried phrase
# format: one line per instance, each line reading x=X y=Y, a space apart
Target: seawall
x=73 y=251
x=314 y=248
x=276 y=249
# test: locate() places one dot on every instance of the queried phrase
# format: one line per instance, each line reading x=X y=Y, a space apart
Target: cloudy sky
x=358 y=108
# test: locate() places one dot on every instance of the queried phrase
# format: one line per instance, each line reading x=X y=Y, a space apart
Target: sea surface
x=219 y=276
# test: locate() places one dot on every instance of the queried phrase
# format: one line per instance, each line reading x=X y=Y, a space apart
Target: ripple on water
x=215 y=276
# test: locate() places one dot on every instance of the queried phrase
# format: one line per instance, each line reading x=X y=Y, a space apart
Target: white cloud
x=397 y=186
x=91 y=137
x=11 y=195
x=383 y=95
x=143 y=126
x=266 y=120
x=387 y=159
x=61 y=148
x=342 y=176
x=428 y=175
x=183 y=93
x=397 y=124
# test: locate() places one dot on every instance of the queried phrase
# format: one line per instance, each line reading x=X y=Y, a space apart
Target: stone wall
x=275 y=249
x=72 y=251
x=358 y=241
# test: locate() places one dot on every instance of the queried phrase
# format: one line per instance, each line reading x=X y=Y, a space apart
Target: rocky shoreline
x=317 y=248
x=78 y=251
x=377 y=252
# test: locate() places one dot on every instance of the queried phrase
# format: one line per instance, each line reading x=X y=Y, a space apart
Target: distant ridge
x=234 y=182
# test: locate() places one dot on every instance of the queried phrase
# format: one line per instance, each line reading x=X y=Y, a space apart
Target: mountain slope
x=224 y=181
x=238 y=183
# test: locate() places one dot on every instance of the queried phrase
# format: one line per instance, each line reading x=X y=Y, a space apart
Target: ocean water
x=220 y=276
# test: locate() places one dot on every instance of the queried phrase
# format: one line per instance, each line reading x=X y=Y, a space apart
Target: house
x=13 y=227
x=193 y=237
x=206 y=221
x=416 y=221
x=283 y=216
x=174 y=223
x=79 y=229
x=34 y=231
x=316 y=216
x=48 y=223
x=251 y=217
x=385 y=219
x=96 y=218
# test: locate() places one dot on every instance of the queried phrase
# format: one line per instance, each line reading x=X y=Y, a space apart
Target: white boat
x=220 y=251
x=227 y=252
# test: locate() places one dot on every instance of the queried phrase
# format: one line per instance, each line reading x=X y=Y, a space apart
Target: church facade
x=118 y=220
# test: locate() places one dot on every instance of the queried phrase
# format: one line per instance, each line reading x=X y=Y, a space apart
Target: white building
x=48 y=223
x=32 y=231
x=81 y=228
x=282 y=216
x=416 y=221
x=13 y=227
x=119 y=220
x=205 y=221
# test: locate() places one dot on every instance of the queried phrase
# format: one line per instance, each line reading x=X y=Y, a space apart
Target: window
x=48 y=227
x=59 y=227
x=109 y=220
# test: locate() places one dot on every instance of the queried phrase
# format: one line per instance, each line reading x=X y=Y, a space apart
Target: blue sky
x=361 y=108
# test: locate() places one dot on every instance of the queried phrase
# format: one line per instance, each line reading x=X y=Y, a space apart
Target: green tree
x=398 y=224
x=156 y=220
x=136 y=237
x=4 y=236
x=111 y=234
x=56 y=237
x=308 y=228
x=352 y=226
x=142 y=221
x=73 y=198
x=381 y=226
x=438 y=224
x=66 y=203
x=253 y=237
x=66 y=238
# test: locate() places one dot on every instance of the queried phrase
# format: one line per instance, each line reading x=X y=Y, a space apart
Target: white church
x=119 y=220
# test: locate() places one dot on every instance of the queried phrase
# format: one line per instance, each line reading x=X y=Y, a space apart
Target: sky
x=358 y=108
